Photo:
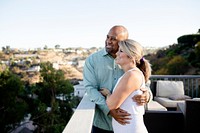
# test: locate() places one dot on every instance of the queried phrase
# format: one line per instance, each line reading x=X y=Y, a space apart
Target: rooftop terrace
x=181 y=120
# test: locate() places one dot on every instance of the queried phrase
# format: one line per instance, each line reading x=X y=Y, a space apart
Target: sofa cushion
x=168 y=103
x=179 y=97
x=153 y=105
x=169 y=88
x=196 y=99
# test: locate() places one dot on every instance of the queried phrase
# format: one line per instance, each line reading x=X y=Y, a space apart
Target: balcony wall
x=81 y=120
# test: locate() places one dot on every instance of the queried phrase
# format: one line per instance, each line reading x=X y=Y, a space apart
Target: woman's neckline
x=131 y=69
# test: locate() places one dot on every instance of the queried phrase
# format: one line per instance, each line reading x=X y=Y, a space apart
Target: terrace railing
x=81 y=120
x=191 y=82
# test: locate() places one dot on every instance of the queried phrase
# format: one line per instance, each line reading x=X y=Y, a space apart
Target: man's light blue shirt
x=100 y=71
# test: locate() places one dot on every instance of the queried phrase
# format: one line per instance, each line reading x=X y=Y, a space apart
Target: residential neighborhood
x=27 y=65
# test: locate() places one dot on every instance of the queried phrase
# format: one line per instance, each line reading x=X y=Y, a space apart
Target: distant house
x=26 y=126
x=56 y=66
x=72 y=63
x=79 y=90
x=25 y=55
x=34 y=69
x=5 y=62
x=81 y=63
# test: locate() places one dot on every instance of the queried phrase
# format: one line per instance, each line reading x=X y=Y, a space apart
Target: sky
x=85 y=23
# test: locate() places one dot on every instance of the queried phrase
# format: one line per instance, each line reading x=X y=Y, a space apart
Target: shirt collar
x=104 y=53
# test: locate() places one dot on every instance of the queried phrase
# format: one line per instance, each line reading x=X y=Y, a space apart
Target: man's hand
x=120 y=116
x=142 y=99
x=105 y=92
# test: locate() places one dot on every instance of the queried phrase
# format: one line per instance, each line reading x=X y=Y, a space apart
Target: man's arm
x=145 y=98
x=91 y=85
x=119 y=115
x=150 y=97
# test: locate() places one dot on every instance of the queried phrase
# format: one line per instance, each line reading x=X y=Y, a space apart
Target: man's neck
x=113 y=55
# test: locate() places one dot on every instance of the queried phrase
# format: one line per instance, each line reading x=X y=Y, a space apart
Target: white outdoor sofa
x=169 y=93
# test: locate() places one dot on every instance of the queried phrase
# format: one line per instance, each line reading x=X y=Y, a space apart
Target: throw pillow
x=167 y=88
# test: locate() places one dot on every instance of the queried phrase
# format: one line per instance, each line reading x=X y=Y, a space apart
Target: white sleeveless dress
x=136 y=123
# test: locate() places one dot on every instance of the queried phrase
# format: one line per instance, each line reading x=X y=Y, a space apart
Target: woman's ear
x=133 y=60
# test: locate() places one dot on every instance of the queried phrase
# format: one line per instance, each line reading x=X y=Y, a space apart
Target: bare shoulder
x=134 y=74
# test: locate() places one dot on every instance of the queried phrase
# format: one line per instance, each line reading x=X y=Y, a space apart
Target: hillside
x=25 y=63
x=71 y=72
x=177 y=59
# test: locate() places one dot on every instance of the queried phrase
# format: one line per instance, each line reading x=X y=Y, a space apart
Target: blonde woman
x=137 y=71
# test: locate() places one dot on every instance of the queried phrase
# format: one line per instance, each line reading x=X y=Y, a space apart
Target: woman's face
x=122 y=58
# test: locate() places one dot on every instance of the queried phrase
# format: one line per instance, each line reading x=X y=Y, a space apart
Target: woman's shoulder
x=134 y=75
x=135 y=72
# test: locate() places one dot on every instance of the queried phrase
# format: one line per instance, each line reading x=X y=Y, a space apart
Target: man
x=100 y=71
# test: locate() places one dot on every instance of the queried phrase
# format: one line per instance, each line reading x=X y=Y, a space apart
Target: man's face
x=111 y=44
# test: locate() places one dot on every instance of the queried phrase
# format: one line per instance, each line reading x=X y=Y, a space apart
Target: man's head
x=117 y=33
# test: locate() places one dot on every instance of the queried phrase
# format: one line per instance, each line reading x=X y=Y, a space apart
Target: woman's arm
x=130 y=82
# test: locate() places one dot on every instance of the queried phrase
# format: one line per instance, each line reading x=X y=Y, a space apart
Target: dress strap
x=132 y=69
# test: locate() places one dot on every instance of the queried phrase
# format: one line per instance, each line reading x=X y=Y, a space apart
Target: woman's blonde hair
x=134 y=49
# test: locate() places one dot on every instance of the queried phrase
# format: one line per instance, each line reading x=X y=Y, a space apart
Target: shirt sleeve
x=92 y=87
x=149 y=91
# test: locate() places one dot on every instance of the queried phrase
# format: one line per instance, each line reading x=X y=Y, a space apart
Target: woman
x=137 y=71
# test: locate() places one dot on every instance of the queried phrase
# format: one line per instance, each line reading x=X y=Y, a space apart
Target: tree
x=6 y=49
x=57 y=46
x=197 y=53
x=12 y=106
x=198 y=31
x=159 y=65
x=45 y=47
x=177 y=66
x=52 y=85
